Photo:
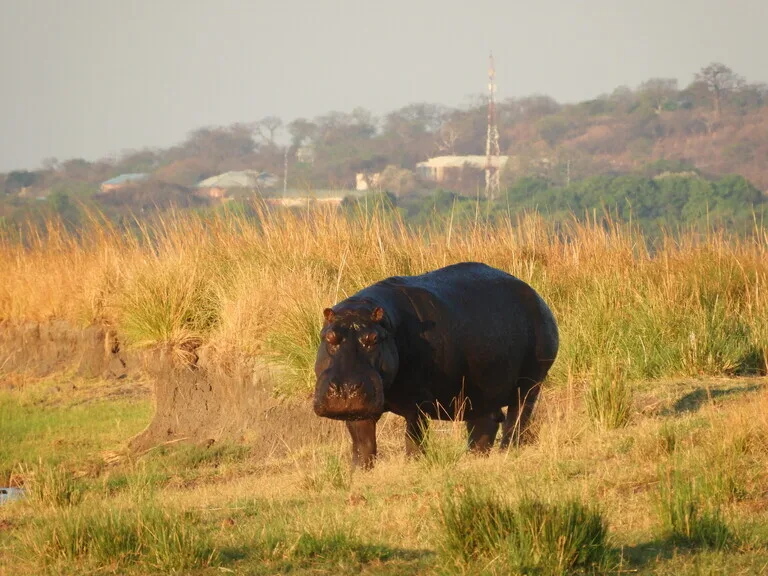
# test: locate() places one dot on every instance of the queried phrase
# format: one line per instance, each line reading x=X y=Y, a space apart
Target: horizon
x=106 y=79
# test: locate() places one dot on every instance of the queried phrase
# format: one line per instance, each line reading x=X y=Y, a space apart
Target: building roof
x=459 y=161
x=239 y=179
x=126 y=178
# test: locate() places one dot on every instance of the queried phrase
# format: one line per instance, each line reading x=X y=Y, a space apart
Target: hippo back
x=465 y=331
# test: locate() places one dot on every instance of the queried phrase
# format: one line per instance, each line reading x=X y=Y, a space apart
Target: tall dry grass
x=689 y=305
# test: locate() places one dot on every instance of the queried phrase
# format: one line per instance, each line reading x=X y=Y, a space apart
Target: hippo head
x=356 y=362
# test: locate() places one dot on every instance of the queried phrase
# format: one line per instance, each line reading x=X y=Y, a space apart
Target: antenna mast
x=492 y=185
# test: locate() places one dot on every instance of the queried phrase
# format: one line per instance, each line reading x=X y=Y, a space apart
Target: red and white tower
x=492 y=152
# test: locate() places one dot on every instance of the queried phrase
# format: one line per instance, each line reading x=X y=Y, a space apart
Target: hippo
x=460 y=342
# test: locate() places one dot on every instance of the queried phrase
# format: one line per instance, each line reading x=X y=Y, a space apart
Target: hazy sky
x=91 y=78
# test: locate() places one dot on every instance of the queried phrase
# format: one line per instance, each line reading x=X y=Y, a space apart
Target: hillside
x=714 y=127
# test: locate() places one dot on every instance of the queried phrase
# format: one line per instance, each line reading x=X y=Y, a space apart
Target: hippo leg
x=482 y=433
x=416 y=425
x=521 y=405
x=363 y=434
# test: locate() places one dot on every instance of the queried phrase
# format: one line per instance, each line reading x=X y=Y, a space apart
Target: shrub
x=684 y=517
x=529 y=536
x=609 y=398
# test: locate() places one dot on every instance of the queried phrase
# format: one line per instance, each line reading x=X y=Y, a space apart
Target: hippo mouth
x=349 y=416
x=359 y=402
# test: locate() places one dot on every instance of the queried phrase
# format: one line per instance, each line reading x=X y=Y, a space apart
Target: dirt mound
x=43 y=348
x=204 y=403
x=195 y=401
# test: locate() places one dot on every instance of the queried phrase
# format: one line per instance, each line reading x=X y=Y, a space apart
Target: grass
x=668 y=342
x=529 y=536
x=154 y=539
x=42 y=423
x=609 y=398
x=51 y=486
x=579 y=499
x=686 y=516
x=687 y=305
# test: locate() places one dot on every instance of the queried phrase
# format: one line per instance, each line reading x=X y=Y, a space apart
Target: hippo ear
x=329 y=315
x=378 y=314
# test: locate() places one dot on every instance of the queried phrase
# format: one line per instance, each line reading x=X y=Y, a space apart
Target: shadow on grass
x=337 y=552
x=644 y=554
x=693 y=401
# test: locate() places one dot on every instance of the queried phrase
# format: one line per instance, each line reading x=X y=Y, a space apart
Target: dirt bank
x=196 y=401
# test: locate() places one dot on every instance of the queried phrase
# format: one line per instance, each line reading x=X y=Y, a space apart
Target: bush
x=683 y=515
x=529 y=537
x=609 y=398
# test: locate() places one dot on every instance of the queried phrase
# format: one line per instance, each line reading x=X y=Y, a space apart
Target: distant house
x=443 y=168
x=122 y=181
x=305 y=201
x=305 y=154
x=218 y=186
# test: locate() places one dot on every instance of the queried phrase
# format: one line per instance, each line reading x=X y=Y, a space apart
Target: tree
x=50 y=163
x=720 y=80
x=657 y=92
x=138 y=161
x=447 y=137
x=301 y=130
x=267 y=127
x=397 y=180
x=217 y=144
x=20 y=179
x=408 y=134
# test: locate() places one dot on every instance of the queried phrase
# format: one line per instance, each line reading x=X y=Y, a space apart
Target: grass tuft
x=51 y=486
x=529 y=537
x=331 y=471
x=685 y=517
x=114 y=537
x=609 y=398
x=168 y=302
x=443 y=447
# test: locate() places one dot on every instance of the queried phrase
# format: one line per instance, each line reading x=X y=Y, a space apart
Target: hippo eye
x=333 y=338
x=369 y=340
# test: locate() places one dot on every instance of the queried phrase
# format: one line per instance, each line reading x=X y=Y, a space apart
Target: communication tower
x=492 y=152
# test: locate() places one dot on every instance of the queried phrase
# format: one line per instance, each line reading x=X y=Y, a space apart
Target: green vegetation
x=658 y=154
x=673 y=506
x=609 y=398
x=663 y=346
x=146 y=536
x=684 y=516
x=529 y=537
x=671 y=201
x=40 y=430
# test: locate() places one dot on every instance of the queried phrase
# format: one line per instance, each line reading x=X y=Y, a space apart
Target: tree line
x=717 y=124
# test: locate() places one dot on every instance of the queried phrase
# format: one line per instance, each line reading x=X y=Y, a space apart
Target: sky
x=94 y=78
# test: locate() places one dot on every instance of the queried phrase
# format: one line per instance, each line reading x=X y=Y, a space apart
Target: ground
x=92 y=507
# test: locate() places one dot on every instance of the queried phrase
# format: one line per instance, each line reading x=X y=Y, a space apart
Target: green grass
x=33 y=429
x=442 y=449
x=51 y=486
x=529 y=536
x=155 y=539
x=576 y=500
x=687 y=515
x=609 y=398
